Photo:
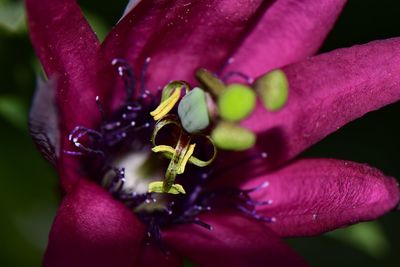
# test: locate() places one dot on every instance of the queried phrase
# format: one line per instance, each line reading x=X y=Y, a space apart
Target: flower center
x=139 y=169
x=157 y=156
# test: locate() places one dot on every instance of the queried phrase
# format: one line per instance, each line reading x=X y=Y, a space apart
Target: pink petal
x=153 y=256
x=235 y=241
x=179 y=36
x=93 y=229
x=287 y=32
x=326 y=92
x=69 y=51
x=312 y=196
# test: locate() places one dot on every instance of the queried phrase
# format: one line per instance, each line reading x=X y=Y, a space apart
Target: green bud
x=236 y=102
x=273 y=89
x=229 y=136
x=193 y=111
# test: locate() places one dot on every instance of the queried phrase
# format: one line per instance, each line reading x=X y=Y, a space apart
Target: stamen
x=188 y=154
x=273 y=89
x=166 y=106
x=230 y=136
x=163 y=148
x=211 y=82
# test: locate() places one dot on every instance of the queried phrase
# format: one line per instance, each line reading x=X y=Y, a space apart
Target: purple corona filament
x=118 y=181
x=100 y=107
x=144 y=92
x=75 y=137
x=249 y=206
x=126 y=72
x=224 y=66
x=225 y=78
x=249 y=80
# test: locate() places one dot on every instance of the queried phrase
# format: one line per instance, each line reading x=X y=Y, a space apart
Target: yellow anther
x=163 y=148
x=166 y=105
x=186 y=157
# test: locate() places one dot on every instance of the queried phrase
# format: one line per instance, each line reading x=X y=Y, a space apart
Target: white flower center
x=141 y=168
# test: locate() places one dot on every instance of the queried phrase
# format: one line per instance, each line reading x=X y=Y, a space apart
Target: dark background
x=28 y=195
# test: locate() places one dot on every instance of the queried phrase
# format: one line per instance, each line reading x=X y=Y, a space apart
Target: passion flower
x=121 y=170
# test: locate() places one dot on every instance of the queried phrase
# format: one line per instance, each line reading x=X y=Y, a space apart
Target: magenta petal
x=60 y=34
x=287 y=32
x=180 y=36
x=326 y=92
x=93 y=229
x=153 y=256
x=69 y=51
x=235 y=241
x=313 y=196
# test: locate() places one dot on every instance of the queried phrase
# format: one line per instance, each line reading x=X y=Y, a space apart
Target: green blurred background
x=28 y=186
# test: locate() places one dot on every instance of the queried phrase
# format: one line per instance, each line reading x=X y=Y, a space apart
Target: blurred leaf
x=14 y=110
x=187 y=263
x=12 y=16
x=367 y=237
x=34 y=224
x=27 y=199
x=98 y=24
x=14 y=250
